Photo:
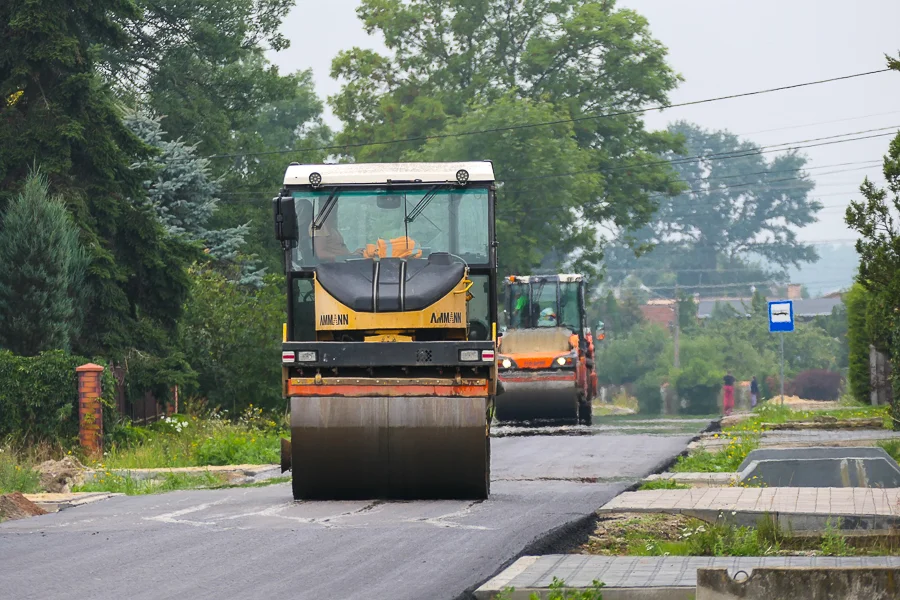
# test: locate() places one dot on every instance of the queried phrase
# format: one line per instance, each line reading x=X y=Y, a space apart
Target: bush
x=231 y=336
x=647 y=391
x=858 y=340
x=817 y=384
x=39 y=397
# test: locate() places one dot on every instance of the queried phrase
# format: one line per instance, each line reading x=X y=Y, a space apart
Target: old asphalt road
x=257 y=543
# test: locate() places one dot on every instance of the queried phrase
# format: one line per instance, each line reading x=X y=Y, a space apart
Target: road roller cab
x=546 y=353
x=388 y=354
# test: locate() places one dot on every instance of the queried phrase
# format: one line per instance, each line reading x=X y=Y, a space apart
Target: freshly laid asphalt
x=258 y=543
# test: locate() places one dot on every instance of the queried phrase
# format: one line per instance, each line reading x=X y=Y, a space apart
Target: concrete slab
x=797 y=509
x=643 y=578
x=800 y=583
x=814 y=452
x=57 y=502
x=821 y=467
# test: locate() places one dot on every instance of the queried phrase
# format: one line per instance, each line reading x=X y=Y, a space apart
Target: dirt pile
x=16 y=506
x=59 y=476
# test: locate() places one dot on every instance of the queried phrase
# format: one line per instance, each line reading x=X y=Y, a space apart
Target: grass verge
x=558 y=591
x=16 y=474
x=168 y=482
x=678 y=535
x=771 y=412
x=181 y=441
x=663 y=484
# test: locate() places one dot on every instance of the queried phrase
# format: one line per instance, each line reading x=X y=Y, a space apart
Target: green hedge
x=39 y=397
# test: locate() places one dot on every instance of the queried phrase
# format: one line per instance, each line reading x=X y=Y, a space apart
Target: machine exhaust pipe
x=285 y=455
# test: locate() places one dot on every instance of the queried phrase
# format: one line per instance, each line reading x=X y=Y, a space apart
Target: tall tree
x=739 y=209
x=874 y=218
x=201 y=65
x=282 y=131
x=60 y=112
x=453 y=63
x=183 y=193
x=42 y=269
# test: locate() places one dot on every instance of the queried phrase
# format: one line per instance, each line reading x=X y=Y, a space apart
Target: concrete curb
x=56 y=502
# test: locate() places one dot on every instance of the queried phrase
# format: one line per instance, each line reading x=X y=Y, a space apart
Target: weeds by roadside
x=892 y=447
x=727 y=460
x=191 y=441
x=110 y=482
x=558 y=591
x=16 y=474
x=772 y=412
x=679 y=535
x=176 y=441
x=663 y=484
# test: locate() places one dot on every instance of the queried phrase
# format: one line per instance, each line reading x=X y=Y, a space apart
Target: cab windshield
x=344 y=224
x=542 y=304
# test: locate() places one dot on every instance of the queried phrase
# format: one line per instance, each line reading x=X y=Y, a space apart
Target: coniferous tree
x=58 y=110
x=42 y=268
x=183 y=193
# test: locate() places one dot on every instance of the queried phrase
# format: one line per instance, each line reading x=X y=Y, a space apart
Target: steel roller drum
x=536 y=400
x=353 y=448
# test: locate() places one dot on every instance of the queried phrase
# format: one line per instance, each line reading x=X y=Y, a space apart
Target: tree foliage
x=738 y=205
x=42 y=270
x=231 y=336
x=183 y=193
x=61 y=113
x=459 y=66
x=879 y=269
x=202 y=66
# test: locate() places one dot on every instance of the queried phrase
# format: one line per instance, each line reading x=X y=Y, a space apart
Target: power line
x=637 y=111
x=797 y=145
x=893 y=112
x=722 y=156
x=736 y=285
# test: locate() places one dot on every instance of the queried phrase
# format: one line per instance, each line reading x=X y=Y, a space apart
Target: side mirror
x=285 y=218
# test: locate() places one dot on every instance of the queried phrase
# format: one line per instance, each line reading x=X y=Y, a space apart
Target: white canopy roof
x=381 y=173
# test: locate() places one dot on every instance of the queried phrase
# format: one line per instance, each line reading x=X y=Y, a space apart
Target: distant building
x=803 y=308
x=661 y=312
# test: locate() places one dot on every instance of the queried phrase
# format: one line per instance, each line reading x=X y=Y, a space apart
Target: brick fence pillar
x=90 y=410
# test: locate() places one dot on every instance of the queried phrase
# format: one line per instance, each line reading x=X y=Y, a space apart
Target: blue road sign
x=781 y=315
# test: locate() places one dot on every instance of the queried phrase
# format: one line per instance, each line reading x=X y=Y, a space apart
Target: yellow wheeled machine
x=389 y=350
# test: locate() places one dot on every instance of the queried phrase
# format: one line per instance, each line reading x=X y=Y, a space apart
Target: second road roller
x=546 y=355
x=389 y=347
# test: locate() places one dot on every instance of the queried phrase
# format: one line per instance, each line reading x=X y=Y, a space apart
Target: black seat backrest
x=402 y=284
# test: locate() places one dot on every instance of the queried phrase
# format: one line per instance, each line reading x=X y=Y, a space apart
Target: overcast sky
x=724 y=47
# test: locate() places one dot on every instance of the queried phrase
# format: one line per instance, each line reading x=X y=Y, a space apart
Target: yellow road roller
x=389 y=348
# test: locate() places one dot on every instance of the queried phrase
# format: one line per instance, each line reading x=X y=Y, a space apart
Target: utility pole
x=676 y=361
x=782 y=368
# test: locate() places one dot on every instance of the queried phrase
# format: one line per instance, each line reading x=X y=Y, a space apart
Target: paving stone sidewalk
x=536 y=573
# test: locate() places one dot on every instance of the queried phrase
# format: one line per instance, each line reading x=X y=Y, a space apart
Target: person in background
x=754 y=392
x=728 y=394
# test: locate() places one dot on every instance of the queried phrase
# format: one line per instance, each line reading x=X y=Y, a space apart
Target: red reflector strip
x=287 y=357
x=487 y=356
